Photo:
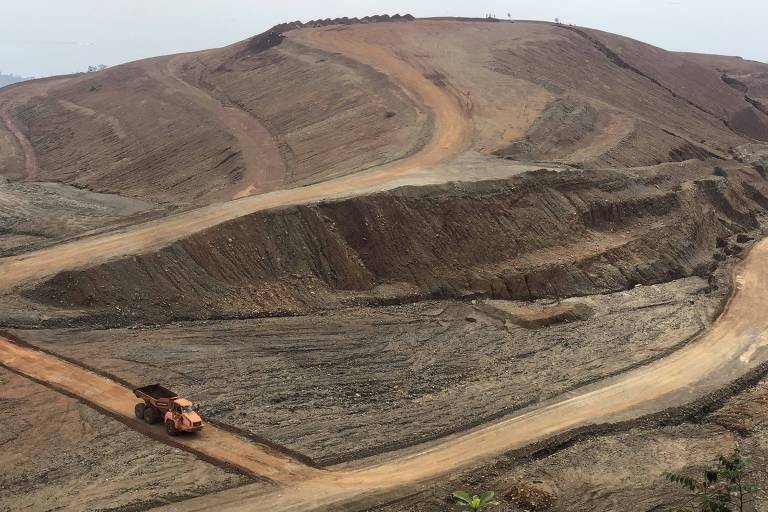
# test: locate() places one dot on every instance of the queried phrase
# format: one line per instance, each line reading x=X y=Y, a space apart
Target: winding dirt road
x=261 y=156
x=13 y=97
x=450 y=135
x=735 y=345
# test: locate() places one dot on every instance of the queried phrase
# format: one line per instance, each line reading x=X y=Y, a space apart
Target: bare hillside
x=324 y=102
x=379 y=254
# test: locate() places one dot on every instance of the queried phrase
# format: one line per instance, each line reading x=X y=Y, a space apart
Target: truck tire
x=151 y=415
x=139 y=411
x=171 y=428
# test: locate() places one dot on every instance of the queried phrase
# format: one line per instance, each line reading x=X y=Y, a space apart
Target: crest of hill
x=307 y=102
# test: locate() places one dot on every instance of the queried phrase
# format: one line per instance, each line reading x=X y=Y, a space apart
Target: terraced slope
x=320 y=103
x=361 y=157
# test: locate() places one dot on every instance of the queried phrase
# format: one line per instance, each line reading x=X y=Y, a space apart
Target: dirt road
x=264 y=166
x=448 y=139
x=13 y=98
x=118 y=401
x=736 y=344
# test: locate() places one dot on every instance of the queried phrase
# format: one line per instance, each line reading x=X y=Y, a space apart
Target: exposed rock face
x=541 y=235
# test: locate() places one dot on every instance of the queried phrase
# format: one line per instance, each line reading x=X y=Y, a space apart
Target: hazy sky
x=45 y=37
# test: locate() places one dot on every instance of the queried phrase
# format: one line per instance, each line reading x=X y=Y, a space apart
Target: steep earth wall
x=543 y=234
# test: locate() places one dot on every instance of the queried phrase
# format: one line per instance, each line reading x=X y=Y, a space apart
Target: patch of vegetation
x=389 y=114
x=727 y=487
x=467 y=502
x=719 y=171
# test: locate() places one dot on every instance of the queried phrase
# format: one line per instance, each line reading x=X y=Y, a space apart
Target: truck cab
x=182 y=417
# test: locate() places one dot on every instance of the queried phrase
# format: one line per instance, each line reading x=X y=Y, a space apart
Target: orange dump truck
x=161 y=403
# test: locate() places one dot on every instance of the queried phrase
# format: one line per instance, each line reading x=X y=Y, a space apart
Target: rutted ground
x=581 y=233
x=59 y=454
x=116 y=399
x=393 y=376
x=539 y=235
x=610 y=471
x=734 y=347
x=311 y=104
x=36 y=215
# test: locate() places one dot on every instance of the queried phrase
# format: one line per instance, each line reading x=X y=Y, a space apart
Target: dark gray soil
x=618 y=471
x=34 y=215
x=59 y=454
x=361 y=381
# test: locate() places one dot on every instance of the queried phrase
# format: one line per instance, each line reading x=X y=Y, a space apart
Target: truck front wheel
x=139 y=411
x=171 y=428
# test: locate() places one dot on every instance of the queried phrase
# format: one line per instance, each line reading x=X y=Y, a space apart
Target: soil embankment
x=735 y=345
x=539 y=235
x=388 y=376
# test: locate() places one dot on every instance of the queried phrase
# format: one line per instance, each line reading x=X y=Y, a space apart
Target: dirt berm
x=539 y=235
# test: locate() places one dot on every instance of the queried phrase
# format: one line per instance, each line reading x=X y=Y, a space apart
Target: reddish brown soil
x=540 y=235
x=331 y=101
x=343 y=111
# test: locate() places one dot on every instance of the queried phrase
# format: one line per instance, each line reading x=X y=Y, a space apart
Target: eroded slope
x=540 y=234
x=323 y=102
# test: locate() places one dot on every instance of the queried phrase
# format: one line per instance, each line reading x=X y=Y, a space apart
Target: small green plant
x=719 y=171
x=465 y=501
x=724 y=488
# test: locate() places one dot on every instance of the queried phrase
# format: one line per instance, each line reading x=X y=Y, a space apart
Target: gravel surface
x=61 y=455
x=362 y=381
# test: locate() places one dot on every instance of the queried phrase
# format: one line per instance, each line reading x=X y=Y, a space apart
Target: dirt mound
x=539 y=235
x=556 y=132
x=303 y=103
x=535 y=316
x=195 y=119
x=536 y=495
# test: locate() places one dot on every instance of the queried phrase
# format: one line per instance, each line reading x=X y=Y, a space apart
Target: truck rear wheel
x=139 y=411
x=171 y=428
x=151 y=415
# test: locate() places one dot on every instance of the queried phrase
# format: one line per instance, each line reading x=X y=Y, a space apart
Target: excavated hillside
x=544 y=234
x=747 y=76
x=299 y=105
x=537 y=221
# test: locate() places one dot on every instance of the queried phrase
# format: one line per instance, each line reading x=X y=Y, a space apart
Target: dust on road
x=735 y=345
x=115 y=399
x=449 y=137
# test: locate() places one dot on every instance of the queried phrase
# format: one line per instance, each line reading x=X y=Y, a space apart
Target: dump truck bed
x=154 y=391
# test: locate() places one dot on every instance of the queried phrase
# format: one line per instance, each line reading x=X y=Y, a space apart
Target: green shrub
x=465 y=501
x=724 y=488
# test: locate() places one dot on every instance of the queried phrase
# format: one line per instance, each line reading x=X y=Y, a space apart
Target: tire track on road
x=450 y=134
x=30 y=160
x=213 y=444
x=736 y=345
